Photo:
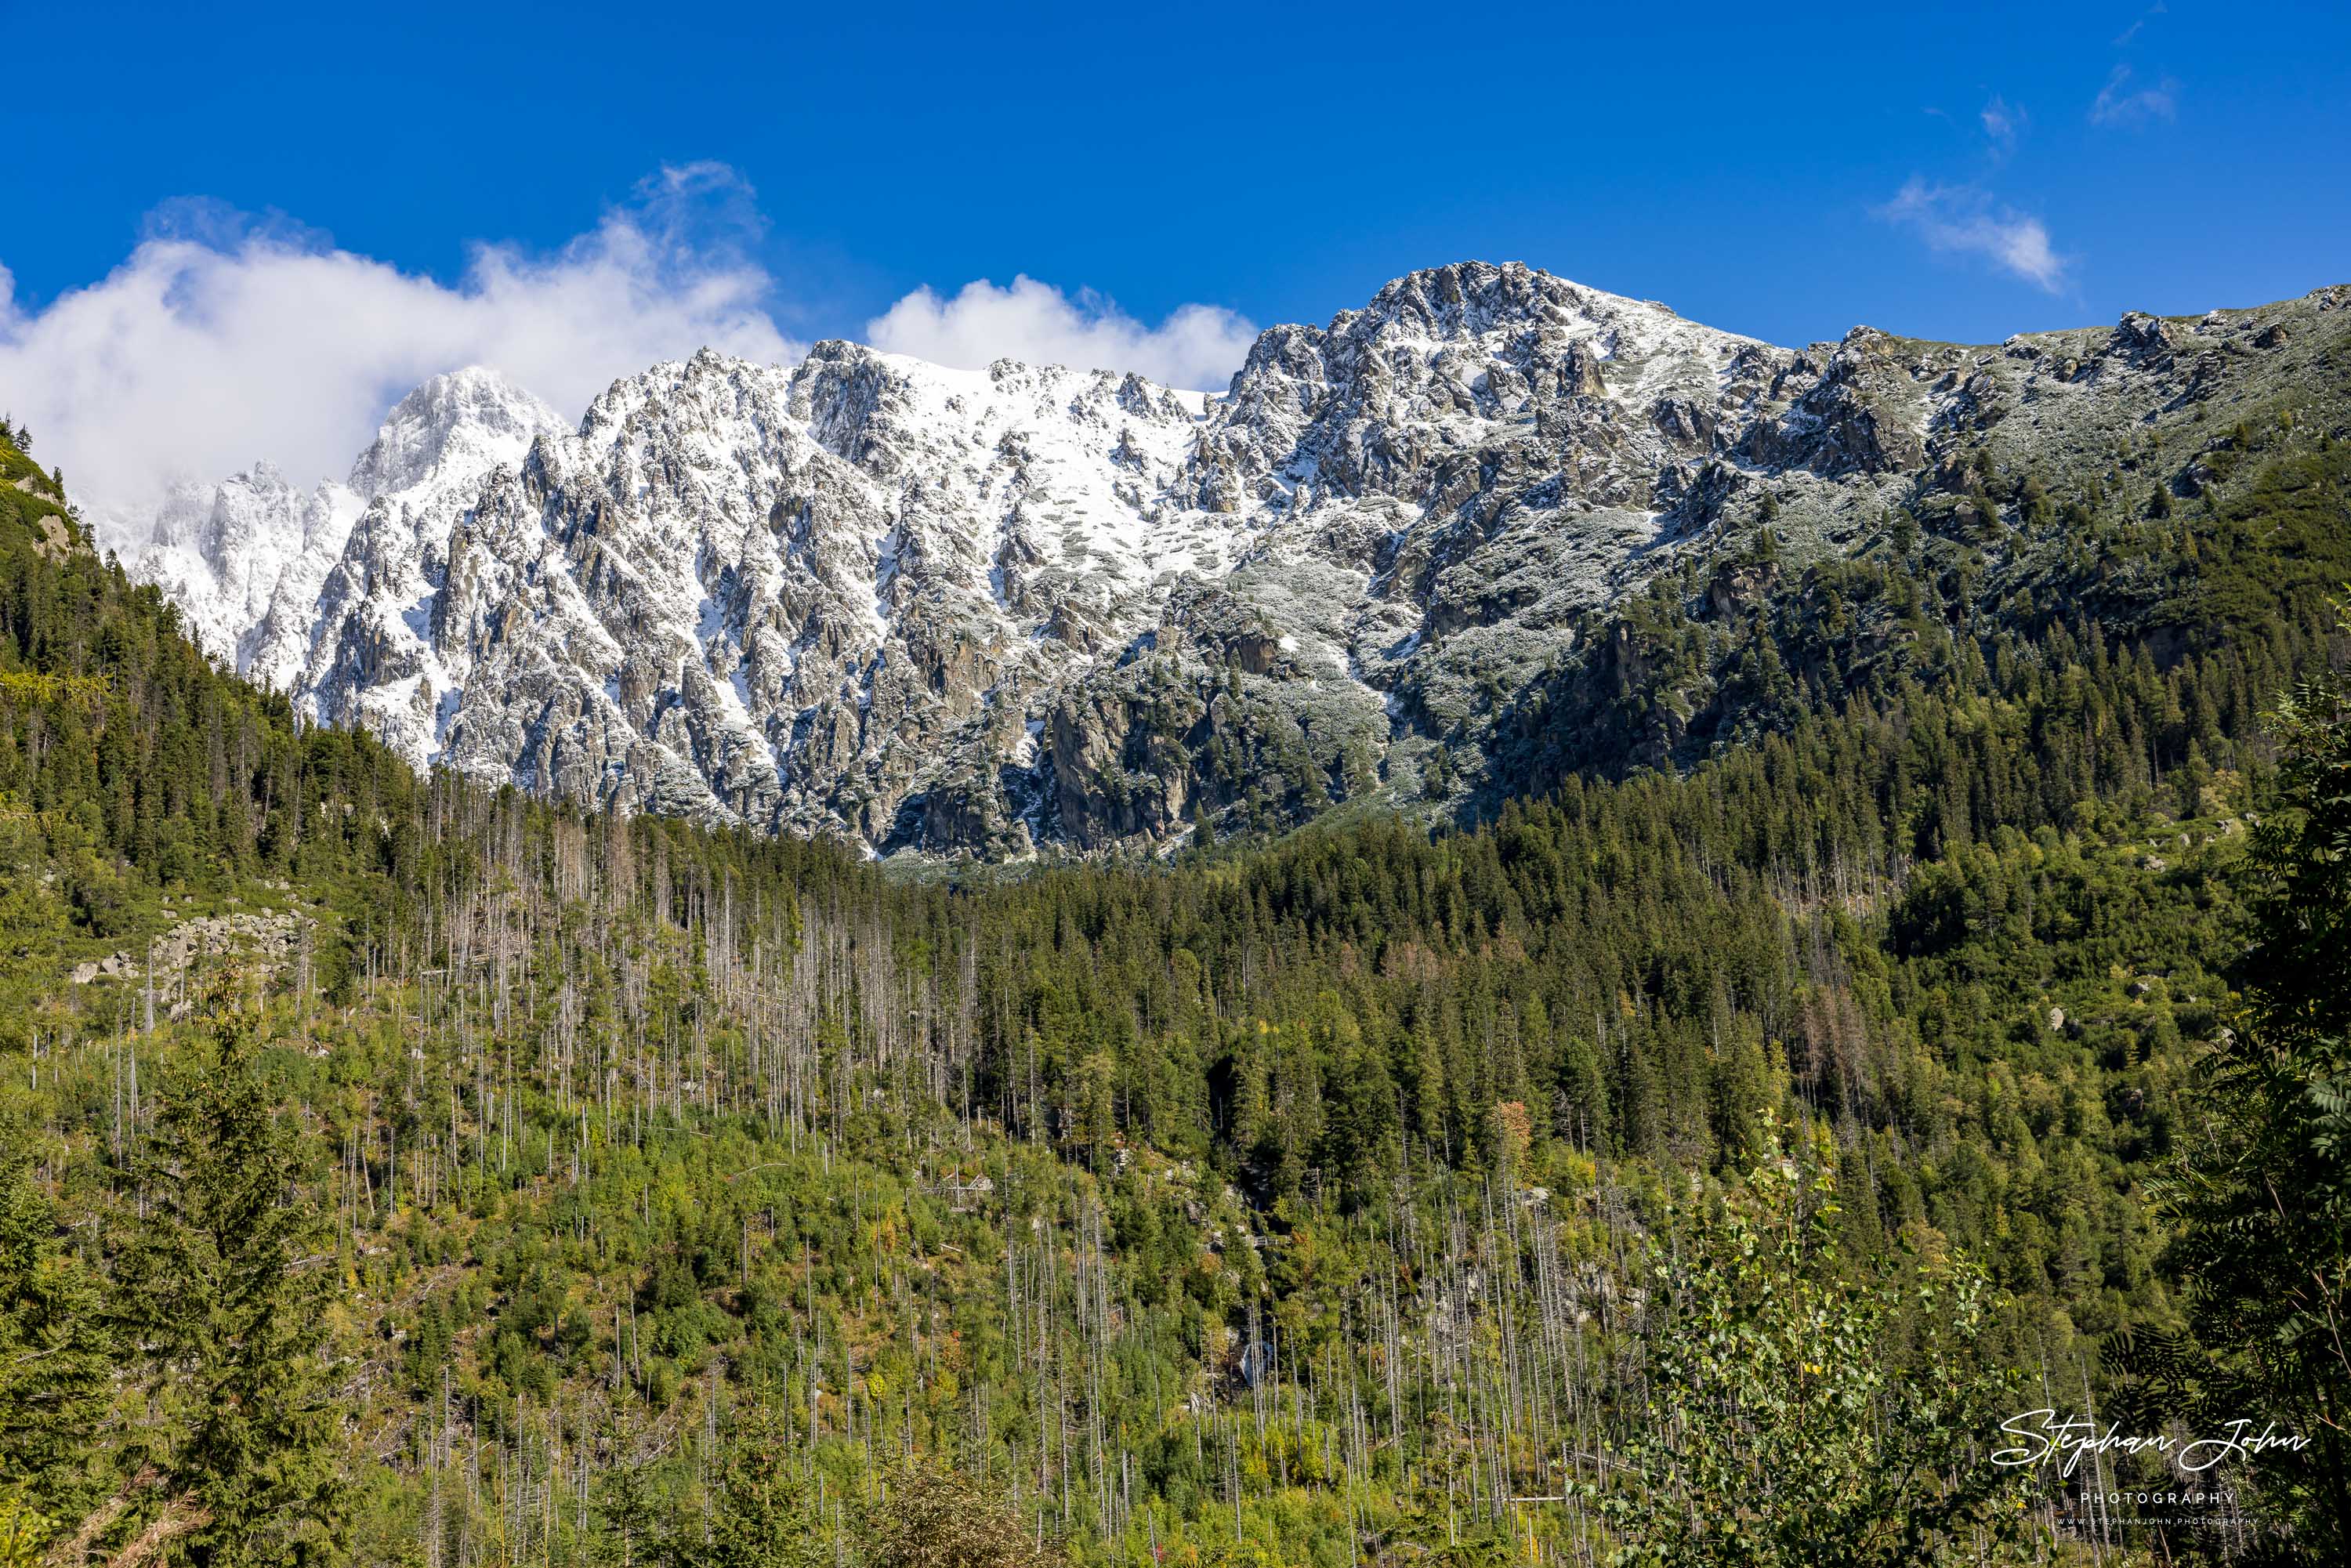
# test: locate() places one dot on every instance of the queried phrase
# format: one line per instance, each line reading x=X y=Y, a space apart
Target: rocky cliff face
x=982 y=612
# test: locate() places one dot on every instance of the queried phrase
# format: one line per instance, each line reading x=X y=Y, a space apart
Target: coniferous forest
x=1654 y=1167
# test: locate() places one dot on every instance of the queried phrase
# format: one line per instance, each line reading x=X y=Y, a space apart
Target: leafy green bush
x=1787 y=1421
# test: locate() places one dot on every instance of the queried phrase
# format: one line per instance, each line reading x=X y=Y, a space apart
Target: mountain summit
x=254 y=564
x=974 y=613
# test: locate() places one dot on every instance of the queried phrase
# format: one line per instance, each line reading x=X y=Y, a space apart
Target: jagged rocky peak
x=454 y=427
x=1478 y=355
x=352 y=611
x=708 y=388
x=983 y=613
x=246 y=557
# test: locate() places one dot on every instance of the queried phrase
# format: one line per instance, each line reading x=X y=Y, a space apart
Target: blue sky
x=1950 y=172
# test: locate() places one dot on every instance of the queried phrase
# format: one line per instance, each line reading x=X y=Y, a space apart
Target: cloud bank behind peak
x=222 y=339
x=1197 y=347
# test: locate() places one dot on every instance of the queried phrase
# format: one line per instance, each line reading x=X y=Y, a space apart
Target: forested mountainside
x=1491 y=528
x=1697 y=1166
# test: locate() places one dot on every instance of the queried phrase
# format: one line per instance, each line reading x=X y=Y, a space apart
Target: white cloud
x=1198 y=345
x=2132 y=31
x=1961 y=218
x=221 y=339
x=2003 y=123
x=2118 y=106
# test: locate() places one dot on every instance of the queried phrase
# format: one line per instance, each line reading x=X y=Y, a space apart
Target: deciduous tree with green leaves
x=949 y=1520
x=1786 y=1422
x=23 y=1530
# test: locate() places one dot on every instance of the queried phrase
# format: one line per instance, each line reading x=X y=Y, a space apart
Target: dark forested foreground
x=1693 y=1169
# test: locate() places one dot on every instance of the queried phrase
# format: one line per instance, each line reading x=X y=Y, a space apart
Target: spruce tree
x=229 y=1312
x=627 y=1513
x=762 y=1518
x=2263 y=1194
x=53 y=1356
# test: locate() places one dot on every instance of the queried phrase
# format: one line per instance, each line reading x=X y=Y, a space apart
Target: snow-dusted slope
x=222 y=551
x=973 y=611
x=786 y=597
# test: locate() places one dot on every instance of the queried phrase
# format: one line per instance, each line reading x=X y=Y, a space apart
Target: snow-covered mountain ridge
x=976 y=612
